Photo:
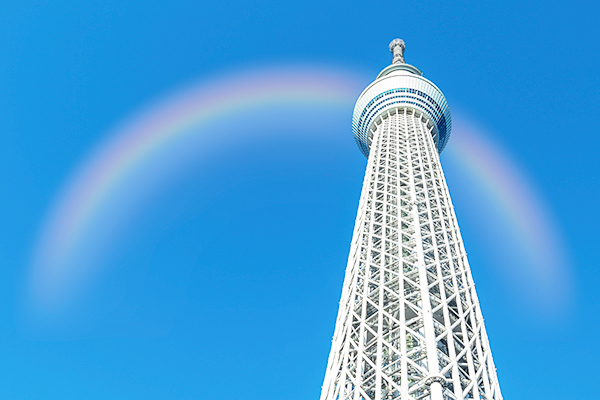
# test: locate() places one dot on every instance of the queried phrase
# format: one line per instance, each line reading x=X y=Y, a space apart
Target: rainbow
x=542 y=264
x=133 y=148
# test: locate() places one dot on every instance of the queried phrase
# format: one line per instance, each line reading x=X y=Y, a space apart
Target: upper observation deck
x=400 y=85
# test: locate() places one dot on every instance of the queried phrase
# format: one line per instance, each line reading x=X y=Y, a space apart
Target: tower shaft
x=409 y=324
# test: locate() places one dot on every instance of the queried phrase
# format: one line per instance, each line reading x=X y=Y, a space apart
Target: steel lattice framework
x=409 y=324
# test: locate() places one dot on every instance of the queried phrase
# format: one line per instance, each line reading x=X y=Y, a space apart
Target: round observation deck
x=400 y=85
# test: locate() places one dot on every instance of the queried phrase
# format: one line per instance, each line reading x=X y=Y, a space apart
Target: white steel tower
x=409 y=324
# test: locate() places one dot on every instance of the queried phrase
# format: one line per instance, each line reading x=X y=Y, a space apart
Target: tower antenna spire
x=397 y=47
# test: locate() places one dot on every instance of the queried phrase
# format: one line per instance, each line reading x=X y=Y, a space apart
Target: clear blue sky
x=231 y=292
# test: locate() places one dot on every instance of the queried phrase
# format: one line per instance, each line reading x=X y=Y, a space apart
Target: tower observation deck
x=409 y=324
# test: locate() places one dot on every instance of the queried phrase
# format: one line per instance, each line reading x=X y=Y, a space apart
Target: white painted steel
x=409 y=324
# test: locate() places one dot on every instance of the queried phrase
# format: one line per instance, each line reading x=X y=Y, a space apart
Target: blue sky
x=225 y=284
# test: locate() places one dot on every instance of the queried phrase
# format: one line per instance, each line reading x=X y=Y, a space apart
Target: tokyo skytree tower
x=409 y=324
